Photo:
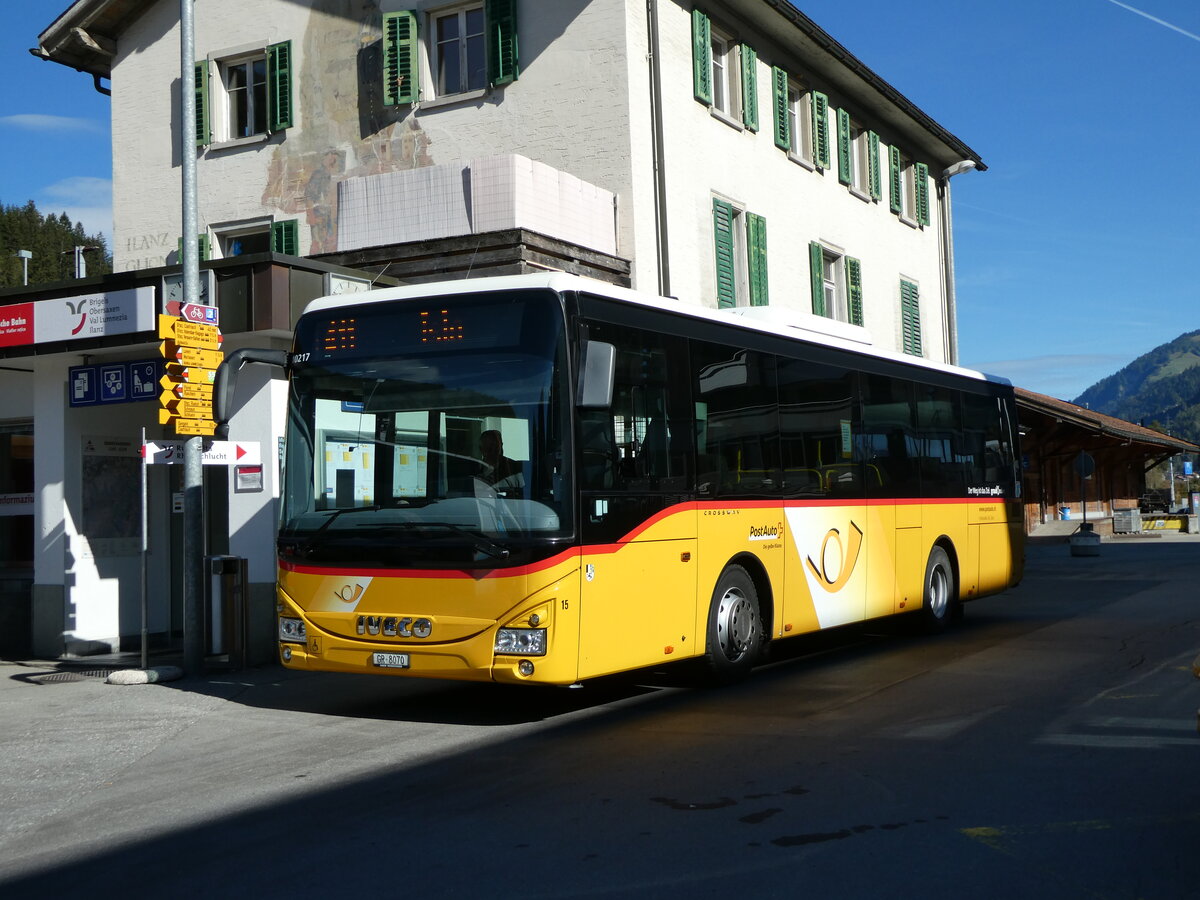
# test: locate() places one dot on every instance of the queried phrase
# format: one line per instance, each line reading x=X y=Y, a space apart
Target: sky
x=1076 y=251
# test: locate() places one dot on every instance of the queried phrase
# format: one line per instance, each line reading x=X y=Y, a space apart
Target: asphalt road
x=1045 y=747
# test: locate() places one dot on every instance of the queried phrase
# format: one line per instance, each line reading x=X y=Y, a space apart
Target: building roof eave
x=84 y=36
x=1099 y=423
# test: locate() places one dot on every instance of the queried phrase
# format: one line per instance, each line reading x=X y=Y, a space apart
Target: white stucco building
x=725 y=153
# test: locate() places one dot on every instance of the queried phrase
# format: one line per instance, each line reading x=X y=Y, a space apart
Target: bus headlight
x=521 y=642
x=292 y=630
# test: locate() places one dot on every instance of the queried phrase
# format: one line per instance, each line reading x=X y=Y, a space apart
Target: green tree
x=52 y=240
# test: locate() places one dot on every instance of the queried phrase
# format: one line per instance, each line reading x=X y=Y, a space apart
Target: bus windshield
x=426 y=433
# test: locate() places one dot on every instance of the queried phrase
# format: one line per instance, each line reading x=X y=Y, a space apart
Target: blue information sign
x=123 y=382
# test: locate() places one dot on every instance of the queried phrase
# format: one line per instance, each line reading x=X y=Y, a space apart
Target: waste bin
x=225 y=609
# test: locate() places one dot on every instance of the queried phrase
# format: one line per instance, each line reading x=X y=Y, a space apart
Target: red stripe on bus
x=604 y=549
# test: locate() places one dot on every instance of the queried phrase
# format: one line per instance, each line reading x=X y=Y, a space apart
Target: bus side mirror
x=224 y=383
x=596 y=375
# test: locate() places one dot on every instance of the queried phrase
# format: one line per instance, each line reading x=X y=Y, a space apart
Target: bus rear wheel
x=735 y=632
x=939 y=594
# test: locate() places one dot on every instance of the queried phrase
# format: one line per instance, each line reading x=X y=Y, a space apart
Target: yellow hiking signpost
x=191 y=352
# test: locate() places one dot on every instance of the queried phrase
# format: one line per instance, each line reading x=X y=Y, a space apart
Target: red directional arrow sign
x=198 y=312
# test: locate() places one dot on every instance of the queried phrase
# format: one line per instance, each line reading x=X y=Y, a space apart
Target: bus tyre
x=939 y=595
x=735 y=632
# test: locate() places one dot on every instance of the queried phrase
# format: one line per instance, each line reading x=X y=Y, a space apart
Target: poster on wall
x=111 y=475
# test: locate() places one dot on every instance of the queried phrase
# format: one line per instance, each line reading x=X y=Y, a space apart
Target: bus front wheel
x=939 y=594
x=735 y=632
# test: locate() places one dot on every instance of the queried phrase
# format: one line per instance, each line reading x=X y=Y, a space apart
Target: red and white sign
x=76 y=318
x=194 y=312
x=219 y=453
x=16 y=325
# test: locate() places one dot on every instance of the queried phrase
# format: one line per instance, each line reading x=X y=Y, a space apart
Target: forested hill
x=51 y=239
x=1160 y=389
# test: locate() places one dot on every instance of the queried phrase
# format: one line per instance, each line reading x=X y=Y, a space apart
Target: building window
x=910 y=188
x=470 y=47
x=799 y=108
x=459 y=59
x=243 y=240
x=793 y=116
x=244 y=95
x=836 y=284
x=245 y=85
x=258 y=237
x=726 y=77
x=740 y=253
x=858 y=157
x=724 y=73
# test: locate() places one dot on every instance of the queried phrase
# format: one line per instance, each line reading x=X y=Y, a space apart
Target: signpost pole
x=145 y=561
x=193 y=470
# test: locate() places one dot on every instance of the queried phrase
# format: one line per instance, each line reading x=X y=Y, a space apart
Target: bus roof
x=787 y=323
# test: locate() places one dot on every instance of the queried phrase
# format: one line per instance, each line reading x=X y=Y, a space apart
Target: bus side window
x=739 y=454
x=643 y=441
x=818 y=421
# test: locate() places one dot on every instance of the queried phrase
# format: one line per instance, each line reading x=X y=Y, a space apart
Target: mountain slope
x=1160 y=389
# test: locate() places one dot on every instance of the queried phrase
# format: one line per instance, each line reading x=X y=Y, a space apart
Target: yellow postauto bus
x=545 y=479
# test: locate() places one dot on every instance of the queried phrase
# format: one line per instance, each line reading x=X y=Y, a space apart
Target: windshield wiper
x=335 y=513
x=482 y=543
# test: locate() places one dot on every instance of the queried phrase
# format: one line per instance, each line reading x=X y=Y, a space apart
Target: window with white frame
x=799 y=113
x=833 y=285
x=244 y=94
x=724 y=73
x=726 y=77
x=458 y=52
x=244 y=82
x=836 y=284
x=453 y=50
x=905 y=199
x=262 y=236
x=740 y=255
x=910 y=188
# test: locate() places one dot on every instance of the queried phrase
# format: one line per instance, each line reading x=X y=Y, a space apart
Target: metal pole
x=145 y=561
x=193 y=470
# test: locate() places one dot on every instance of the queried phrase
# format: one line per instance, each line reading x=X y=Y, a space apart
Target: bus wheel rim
x=939 y=591
x=735 y=624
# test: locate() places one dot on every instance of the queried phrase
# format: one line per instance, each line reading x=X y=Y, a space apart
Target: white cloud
x=43 y=123
x=80 y=189
x=84 y=200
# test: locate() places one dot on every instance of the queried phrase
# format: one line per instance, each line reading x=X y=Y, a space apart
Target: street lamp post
x=24 y=256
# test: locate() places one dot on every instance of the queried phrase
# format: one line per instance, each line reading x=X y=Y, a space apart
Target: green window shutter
x=285 y=237
x=749 y=88
x=783 y=124
x=921 y=194
x=756 y=238
x=723 y=245
x=854 y=282
x=820 y=117
x=279 y=86
x=501 y=18
x=845 y=159
x=874 y=176
x=201 y=247
x=203 y=128
x=896 y=195
x=816 y=265
x=701 y=57
x=910 y=318
x=401 y=58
